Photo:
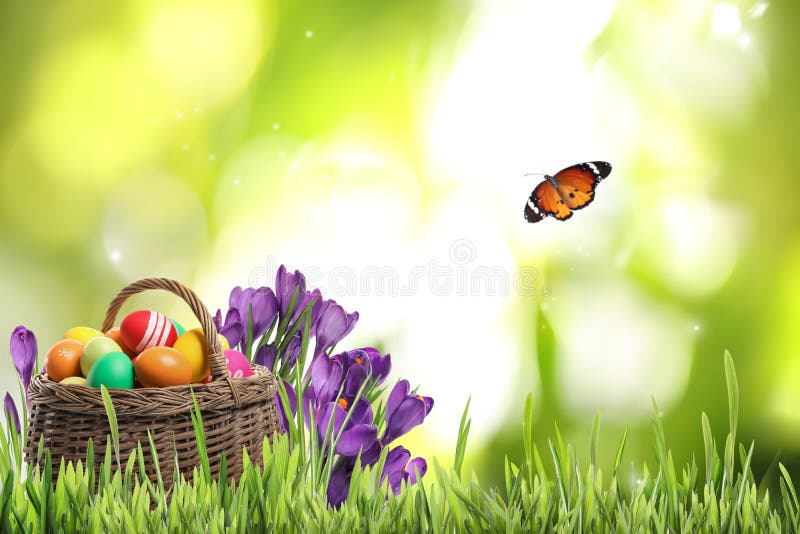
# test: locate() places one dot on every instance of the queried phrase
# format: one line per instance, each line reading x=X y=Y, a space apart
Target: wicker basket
x=237 y=413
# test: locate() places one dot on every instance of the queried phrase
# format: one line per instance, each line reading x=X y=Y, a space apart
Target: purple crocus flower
x=404 y=411
x=358 y=434
x=400 y=469
x=381 y=365
x=332 y=325
x=261 y=303
x=357 y=368
x=326 y=378
x=11 y=412
x=23 y=352
x=286 y=284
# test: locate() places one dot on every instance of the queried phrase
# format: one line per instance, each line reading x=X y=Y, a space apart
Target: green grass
x=556 y=491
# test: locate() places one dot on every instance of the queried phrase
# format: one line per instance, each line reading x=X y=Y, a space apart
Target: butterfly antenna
x=536 y=173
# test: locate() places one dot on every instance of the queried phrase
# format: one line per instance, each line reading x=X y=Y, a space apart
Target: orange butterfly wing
x=545 y=201
x=576 y=184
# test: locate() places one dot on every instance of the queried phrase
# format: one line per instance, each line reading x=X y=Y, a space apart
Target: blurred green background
x=372 y=143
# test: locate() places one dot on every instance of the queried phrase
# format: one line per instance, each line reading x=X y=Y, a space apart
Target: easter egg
x=144 y=329
x=178 y=327
x=192 y=344
x=74 y=380
x=223 y=342
x=113 y=370
x=116 y=335
x=94 y=350
x=238 y=366
x=82 y=334
x=159 y=367
x=64 y=359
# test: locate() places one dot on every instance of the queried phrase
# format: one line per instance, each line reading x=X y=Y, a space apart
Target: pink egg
x=238 y=366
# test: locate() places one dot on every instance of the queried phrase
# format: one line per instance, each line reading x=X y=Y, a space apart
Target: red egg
x=143 y=329
x=159 y=367
x=63 y=360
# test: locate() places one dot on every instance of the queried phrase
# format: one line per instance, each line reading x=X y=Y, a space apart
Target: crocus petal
x=292 y=397
x=326 y=378
x=399 y=392
x=233 y=329
x=339 y=415
x=310 y=406
x=410 y=413
x=362 y=413
x=356 y=376
x=417 y=465
x=265 y=355
x=356 y=438
x=24 y=350
x=396 y=460
x=371 y=455
x=292 y=352
x=332 y=325
x=339 y=484
x=286 y=284
x=428 y=404
x=235 y=298
x=264 y=308
x=381 y=365
x=11 y=412
x=316 y=310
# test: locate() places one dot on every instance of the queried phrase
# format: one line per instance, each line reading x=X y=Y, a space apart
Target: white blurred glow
x=725 y=20
x=617 y=348
x=514 y=100
x=462 y=343
x=758 y=10
x=745 y=40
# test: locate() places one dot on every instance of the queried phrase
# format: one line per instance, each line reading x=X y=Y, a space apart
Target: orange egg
x=63 y=360
x=115 y=334
x=159 y=367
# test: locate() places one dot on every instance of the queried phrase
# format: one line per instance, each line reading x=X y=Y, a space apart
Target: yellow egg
x=223 y=342
x=82 y=334
x=192 y=344
x=75 y=380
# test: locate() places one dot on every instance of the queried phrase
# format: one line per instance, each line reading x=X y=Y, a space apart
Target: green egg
x=94 y=350
x=114 y=370
x=179 y=327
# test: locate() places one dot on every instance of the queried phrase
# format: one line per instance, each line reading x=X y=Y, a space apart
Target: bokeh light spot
x=154 y=225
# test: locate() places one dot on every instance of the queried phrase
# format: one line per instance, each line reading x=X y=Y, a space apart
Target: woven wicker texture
x=236 y=413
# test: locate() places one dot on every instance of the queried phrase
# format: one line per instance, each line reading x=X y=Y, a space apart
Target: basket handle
x=217 y=362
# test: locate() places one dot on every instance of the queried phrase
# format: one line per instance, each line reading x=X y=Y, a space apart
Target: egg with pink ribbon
x=238 y=366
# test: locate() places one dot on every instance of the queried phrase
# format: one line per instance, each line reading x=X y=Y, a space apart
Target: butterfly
x=568 y=190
